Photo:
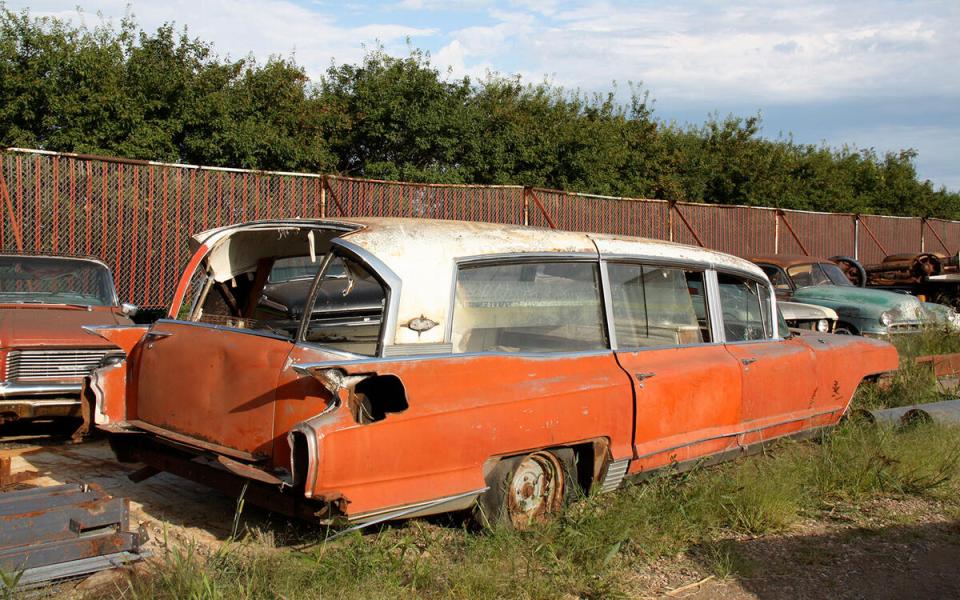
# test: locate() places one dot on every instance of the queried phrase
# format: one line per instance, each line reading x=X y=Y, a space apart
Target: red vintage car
x=44 y=351
x=374 y=369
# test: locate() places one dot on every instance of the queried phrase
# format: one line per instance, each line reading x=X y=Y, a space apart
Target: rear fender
x=356 y=398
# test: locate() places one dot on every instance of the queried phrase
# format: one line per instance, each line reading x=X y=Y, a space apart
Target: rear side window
x=528 y=307
x=656 y=306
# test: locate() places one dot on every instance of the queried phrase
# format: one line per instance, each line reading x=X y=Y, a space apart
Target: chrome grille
x=51 y=365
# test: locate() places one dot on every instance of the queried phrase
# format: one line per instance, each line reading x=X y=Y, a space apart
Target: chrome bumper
x=10 y=389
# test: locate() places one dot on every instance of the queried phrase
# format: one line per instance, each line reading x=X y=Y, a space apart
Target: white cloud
x=780 y=52
x=260 y=27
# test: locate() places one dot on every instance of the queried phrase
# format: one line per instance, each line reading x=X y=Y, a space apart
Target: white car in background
x=808 y=316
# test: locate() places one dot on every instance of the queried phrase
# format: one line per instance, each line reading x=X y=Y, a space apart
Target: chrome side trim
x=39 y=403
x=616 y=471
x=417 y=349
x=415 y=509
x=8 y=389
x=305 y=367
x=740 y=432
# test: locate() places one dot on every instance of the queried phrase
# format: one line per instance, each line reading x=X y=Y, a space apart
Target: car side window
x=657 y=306
x=528 y=307
x=777 y=277
x=746 y=308
x=347 y=312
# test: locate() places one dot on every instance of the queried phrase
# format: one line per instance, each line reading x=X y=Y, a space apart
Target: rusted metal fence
x=136 y=215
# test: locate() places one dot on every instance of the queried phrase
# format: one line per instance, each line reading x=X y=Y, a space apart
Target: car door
x=686 y=385
x=211 y=374
x=779 y=382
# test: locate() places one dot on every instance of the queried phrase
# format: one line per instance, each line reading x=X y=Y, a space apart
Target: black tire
x=527 y=490
x=852 y=269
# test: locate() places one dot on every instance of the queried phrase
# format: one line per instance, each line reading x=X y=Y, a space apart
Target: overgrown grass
x=913 y=383
x=591 y=549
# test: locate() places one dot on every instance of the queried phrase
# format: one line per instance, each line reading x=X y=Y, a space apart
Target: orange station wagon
x=375 y=369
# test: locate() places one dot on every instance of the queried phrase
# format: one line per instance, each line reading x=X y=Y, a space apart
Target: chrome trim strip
x=8 y=388
x=272 y=336
x=677 y=262
x=381 y=359
x=616 y=471
x=417 y=349
x=390 y=279
x=740 y=432
x=714 y=310
x=520 y=257
x=40 y=403
x=607 y=298
x=395 y=512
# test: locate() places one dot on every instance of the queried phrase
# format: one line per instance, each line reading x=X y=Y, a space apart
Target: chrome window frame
x=664 y=264
x=388 y=279
x=513 y=258
x=771 y=300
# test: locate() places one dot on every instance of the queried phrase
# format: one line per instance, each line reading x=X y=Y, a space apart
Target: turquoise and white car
x=860 y=311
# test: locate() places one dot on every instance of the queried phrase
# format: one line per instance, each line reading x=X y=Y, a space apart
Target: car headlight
x=886 y=318
x=823 y=326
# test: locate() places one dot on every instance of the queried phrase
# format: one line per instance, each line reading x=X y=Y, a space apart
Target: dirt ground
x=849 y=556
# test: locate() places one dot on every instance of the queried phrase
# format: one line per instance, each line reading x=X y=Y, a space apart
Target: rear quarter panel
x=462 y=411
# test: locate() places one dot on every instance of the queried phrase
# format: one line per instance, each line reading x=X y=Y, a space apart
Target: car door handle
x=748 y=361
x=643 y=376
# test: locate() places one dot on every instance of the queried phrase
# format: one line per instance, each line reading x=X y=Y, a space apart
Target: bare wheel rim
x=536 y=489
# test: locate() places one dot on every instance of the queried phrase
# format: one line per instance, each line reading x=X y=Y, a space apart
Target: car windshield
x=295 y=268
x=817 y=274
x=47 y=280
x=835 y=274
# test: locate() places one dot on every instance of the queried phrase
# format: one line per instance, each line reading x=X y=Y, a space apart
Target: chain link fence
x=137 y=215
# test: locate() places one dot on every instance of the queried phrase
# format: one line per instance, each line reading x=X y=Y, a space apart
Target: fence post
x=776 y=232
x=526 y=208
x=923 y=227
x=323 y=197
x=670 y=218
x=856 y=237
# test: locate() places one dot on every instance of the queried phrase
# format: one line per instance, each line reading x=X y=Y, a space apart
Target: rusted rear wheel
x=527 y=490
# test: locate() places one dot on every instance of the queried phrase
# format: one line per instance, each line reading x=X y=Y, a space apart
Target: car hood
x=797 y=310
x=29 y=325
x=864 y=302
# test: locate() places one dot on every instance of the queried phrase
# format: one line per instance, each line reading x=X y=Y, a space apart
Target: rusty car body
x=44 y=352
x=446 y=365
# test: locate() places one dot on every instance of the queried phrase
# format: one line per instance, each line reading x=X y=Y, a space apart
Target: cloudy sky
x=880 y=74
